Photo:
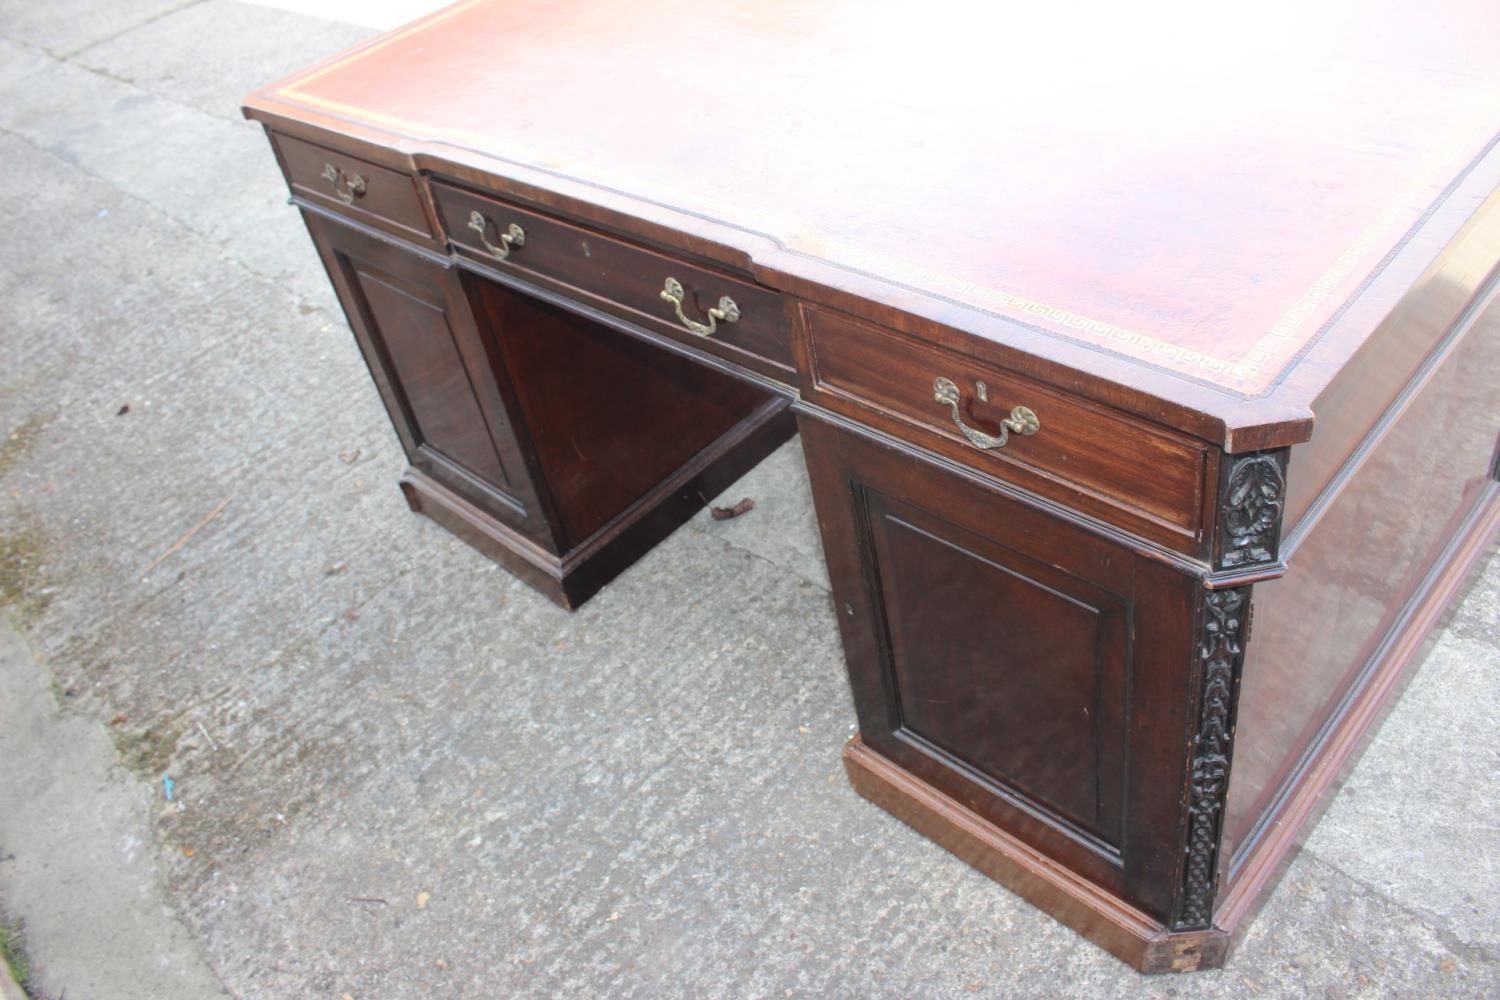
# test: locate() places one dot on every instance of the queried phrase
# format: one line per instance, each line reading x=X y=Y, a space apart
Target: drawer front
x=623 y=278
x=1128 y=472
x=375 y=195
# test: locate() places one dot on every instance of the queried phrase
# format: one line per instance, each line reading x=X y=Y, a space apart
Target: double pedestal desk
x=1147 y=394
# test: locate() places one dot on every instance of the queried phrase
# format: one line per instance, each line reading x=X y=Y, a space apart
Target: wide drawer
x=623 y=278
x=367 y=192
x=1129 y=472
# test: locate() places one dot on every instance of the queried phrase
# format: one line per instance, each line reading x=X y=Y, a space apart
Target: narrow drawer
x=1139 y=476
x=375 y=195
x=622 y=278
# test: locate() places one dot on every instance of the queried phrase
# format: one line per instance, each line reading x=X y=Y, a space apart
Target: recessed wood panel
x=420 y=346
x=1013 y=667
x=1032 y=672
x=1353 y=570
x=438 y=383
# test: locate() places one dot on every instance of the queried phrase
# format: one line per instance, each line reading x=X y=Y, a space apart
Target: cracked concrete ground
x=392 y=773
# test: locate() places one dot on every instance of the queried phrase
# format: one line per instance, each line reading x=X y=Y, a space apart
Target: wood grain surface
x=1197 y=192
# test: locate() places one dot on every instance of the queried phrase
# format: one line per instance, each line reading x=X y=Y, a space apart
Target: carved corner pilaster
x=1252 y=496
x=1224 y=625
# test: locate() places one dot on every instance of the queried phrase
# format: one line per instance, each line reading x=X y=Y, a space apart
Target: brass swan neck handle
x=726 y=310
x=514 y=236
x=1021 y=420
x=346 y=187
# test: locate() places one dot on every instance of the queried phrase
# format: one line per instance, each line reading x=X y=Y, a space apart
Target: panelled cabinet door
x=437 y=379
x=1009 y=667
x=1019 y=664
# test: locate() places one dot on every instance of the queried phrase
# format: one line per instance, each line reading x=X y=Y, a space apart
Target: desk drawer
x=1107 y=463
x=627 y=278
x=372 y=194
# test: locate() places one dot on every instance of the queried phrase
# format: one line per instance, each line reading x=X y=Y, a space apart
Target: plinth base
x=575 y=576
x=1111 y=923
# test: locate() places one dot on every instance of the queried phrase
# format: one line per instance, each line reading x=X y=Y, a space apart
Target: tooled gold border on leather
x=1245 y=374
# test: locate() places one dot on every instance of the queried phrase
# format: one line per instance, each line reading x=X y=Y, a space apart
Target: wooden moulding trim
x=1445 y=348
x=571 y=579
x=721 y=448
x=471 y=523
x=1275 y=840
x=1179 y=561
x=1124 y=931
x=613 y=322
x=1245 y=577
x=365 y=229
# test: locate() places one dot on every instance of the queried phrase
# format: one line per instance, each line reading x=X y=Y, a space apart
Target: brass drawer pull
x=346 y=186
x=726 y=310
x=514 y=236
x=1020 y=421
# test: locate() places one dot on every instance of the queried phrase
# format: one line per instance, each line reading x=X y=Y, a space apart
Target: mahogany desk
x=1099 y=332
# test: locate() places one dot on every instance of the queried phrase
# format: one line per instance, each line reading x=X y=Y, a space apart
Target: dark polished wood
x=607 y=417
x=418 y=336
x=1369 y=551
x=587 y=265
x=342 y=182
x=540 y=435
x=1126 y=470
x=1019 y=664
x=1147 y=393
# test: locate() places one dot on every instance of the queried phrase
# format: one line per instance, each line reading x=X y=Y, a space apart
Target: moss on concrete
x=23 y=547
x=146 y=752
x=18 y=442
x=14 y=955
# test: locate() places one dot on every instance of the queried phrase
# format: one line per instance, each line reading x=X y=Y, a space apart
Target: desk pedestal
x=553 y=444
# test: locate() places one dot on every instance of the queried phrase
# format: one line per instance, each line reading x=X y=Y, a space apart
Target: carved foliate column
x=1252 y=493
x=1221 y=654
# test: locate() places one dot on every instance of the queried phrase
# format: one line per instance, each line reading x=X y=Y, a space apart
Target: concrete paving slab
x=1323 y=934
x=168 y=57
x=782 y=527
x=374 y=14
x=18 y=61
x=84 y=499
x=1478 y=617
x=1396 y=828
x=66 y=27
x=410 y=776
x=117 y=304
x=97 y=921
x=152 y=148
